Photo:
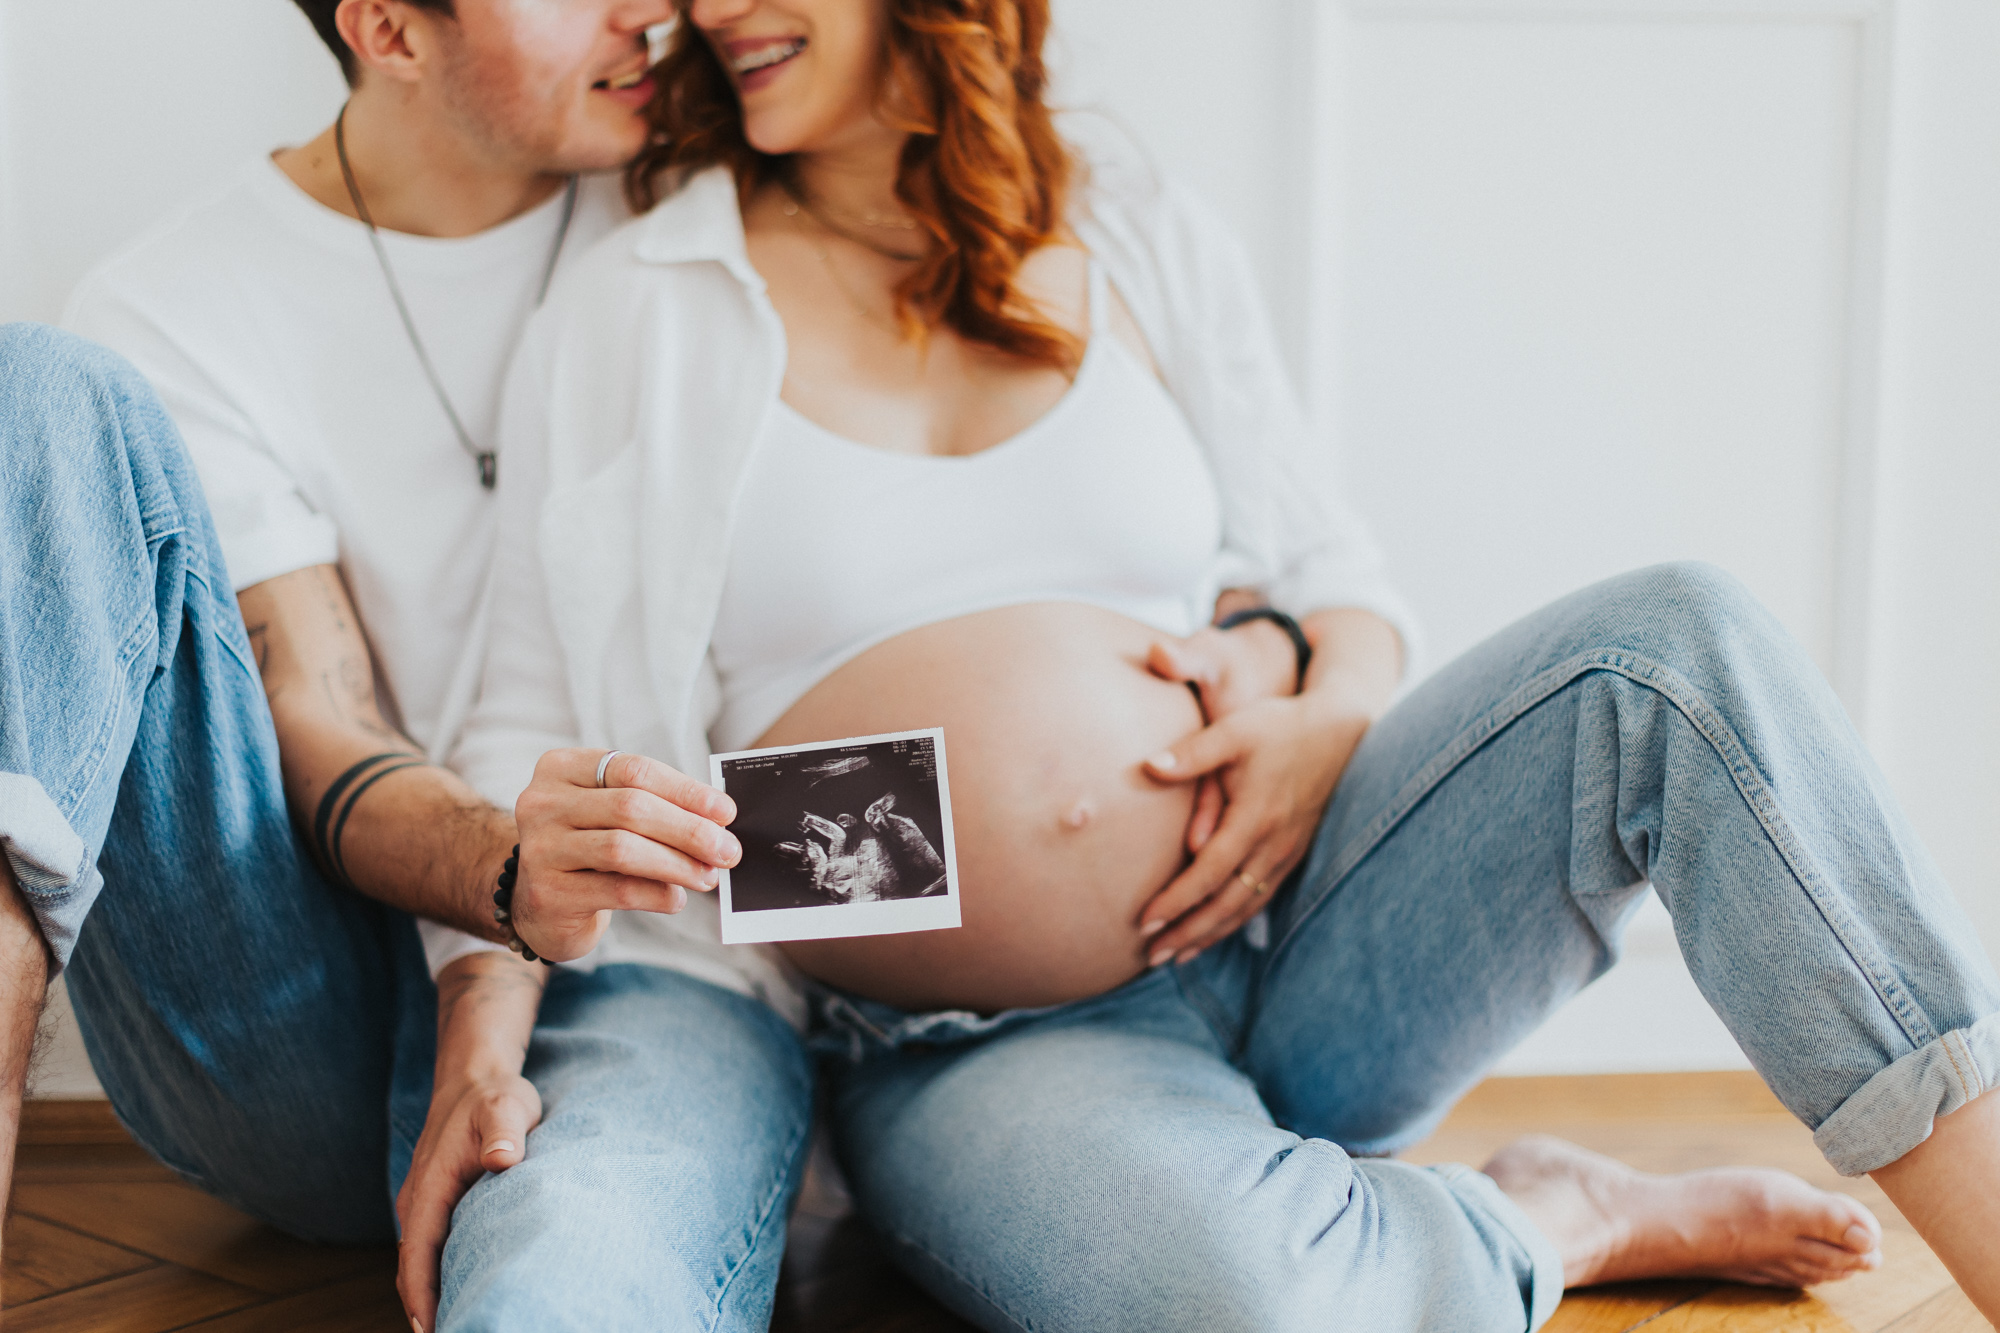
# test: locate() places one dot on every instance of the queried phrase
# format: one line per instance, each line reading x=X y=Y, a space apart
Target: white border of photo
x=842 y=920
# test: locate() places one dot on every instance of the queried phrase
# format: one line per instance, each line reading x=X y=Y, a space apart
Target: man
x=233 y=802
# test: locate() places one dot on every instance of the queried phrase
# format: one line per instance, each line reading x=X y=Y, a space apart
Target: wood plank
x=152 y=1300
x=1910 y=1275
x=1617 y=1308
x=58 y=1164
x=42 y=1259
x=1732 y=1309
x=1947 y=1312
x=182 y=1225
x=1715 y=1095
x=364 y=1303
x=80 y=1121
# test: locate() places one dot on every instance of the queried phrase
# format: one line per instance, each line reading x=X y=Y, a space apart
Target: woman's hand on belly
x=1277 y=762
x=1228 y=670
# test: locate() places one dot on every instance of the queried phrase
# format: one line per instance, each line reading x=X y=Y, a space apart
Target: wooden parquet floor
x=103 y=1240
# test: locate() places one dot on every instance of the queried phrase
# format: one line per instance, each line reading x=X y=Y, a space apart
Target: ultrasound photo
x=849 y=837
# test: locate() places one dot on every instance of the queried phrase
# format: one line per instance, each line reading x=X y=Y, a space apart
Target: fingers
x=1197 y=754
x=651 y=816
x=1240 y=898
x=621 y=851
x=1190 y=661
x=1208 y=874
x=434 y=1187
x=501 y=1125
x=1207 y=813
x=618 y=893
x=1227 y=883
x=489 y=1133
x=669 y=784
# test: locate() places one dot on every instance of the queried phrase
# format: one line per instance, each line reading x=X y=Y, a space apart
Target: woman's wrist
x=1357 y=662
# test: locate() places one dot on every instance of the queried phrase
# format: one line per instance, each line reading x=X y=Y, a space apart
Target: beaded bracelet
x=503 y=908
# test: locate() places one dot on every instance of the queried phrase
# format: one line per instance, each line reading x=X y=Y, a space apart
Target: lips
x=748 y=59
x=620 y=83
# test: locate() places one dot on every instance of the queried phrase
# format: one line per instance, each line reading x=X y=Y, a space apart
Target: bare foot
x=1613 y=1224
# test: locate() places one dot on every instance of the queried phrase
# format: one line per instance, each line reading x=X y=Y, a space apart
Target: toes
x=1847 y=1224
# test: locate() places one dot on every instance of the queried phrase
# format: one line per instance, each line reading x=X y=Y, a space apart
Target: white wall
x=1577 y=285
x=1934 y=710
x=117 y=111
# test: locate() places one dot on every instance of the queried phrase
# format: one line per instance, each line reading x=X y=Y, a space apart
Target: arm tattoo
x=334 y=808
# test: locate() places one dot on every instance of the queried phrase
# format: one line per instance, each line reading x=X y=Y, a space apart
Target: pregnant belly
x=1048 y=711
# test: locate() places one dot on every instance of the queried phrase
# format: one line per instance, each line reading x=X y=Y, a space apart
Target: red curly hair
x=983 y=171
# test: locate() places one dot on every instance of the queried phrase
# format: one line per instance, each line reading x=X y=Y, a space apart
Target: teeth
x=628 y=80
x=769 y=55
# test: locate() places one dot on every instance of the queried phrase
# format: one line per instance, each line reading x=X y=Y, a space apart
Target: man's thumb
x=503 y=1139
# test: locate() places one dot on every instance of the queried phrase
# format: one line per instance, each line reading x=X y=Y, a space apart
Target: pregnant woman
x=900 y=409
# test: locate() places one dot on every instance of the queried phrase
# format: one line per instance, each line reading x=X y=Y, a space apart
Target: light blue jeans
x=1196 y=1150
x=675 y=1121
x=268 y=1036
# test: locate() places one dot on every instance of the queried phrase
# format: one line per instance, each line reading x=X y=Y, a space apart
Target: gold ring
x=1256 y=886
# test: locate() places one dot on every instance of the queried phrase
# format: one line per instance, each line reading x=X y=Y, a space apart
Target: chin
x=603 y=150
x=776 y=133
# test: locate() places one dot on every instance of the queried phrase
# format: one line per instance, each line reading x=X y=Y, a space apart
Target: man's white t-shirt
x=263 y=320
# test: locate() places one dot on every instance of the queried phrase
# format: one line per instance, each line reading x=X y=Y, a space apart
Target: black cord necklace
x=488 y=461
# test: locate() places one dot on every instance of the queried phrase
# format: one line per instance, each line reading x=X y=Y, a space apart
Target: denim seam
x=967 y=1283
x=1958 y=1070
x=199 y=574
x=98 y=747
x=1729 y=748
x=763 y=1226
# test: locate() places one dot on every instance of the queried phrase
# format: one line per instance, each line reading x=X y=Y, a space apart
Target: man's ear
x=387 y=37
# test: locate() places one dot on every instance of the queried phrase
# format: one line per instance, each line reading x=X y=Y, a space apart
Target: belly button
x=1079 y=815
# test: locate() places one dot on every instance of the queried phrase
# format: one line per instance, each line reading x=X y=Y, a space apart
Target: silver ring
x=605 y=763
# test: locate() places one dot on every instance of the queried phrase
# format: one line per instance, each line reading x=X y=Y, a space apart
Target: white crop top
x=1107 y=499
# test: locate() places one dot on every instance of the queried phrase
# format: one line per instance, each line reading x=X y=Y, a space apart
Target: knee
x=45 y=369
x=80 y=426
x=1702 y=608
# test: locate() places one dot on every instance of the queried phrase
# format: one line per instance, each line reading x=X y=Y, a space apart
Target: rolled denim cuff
x=50 y=862
x=1546 y=1280
x=1893 y=1112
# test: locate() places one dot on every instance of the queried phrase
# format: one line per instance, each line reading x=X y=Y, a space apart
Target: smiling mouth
x=622 y=82
x=766 y=56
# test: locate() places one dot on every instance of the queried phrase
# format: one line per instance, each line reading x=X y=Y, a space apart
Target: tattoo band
x=327 y=828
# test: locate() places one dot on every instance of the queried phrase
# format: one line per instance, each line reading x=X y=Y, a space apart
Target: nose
x=712 y=14
x=635 y=16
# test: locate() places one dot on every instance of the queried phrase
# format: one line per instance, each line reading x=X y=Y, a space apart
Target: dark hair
x=320 y=14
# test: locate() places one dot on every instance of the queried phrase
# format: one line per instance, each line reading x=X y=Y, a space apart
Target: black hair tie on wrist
x=503 y=908
x=1301 y=646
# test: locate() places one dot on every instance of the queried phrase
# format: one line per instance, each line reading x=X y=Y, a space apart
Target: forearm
x=377 y=815
x=388 y=823
x=487 y=1005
